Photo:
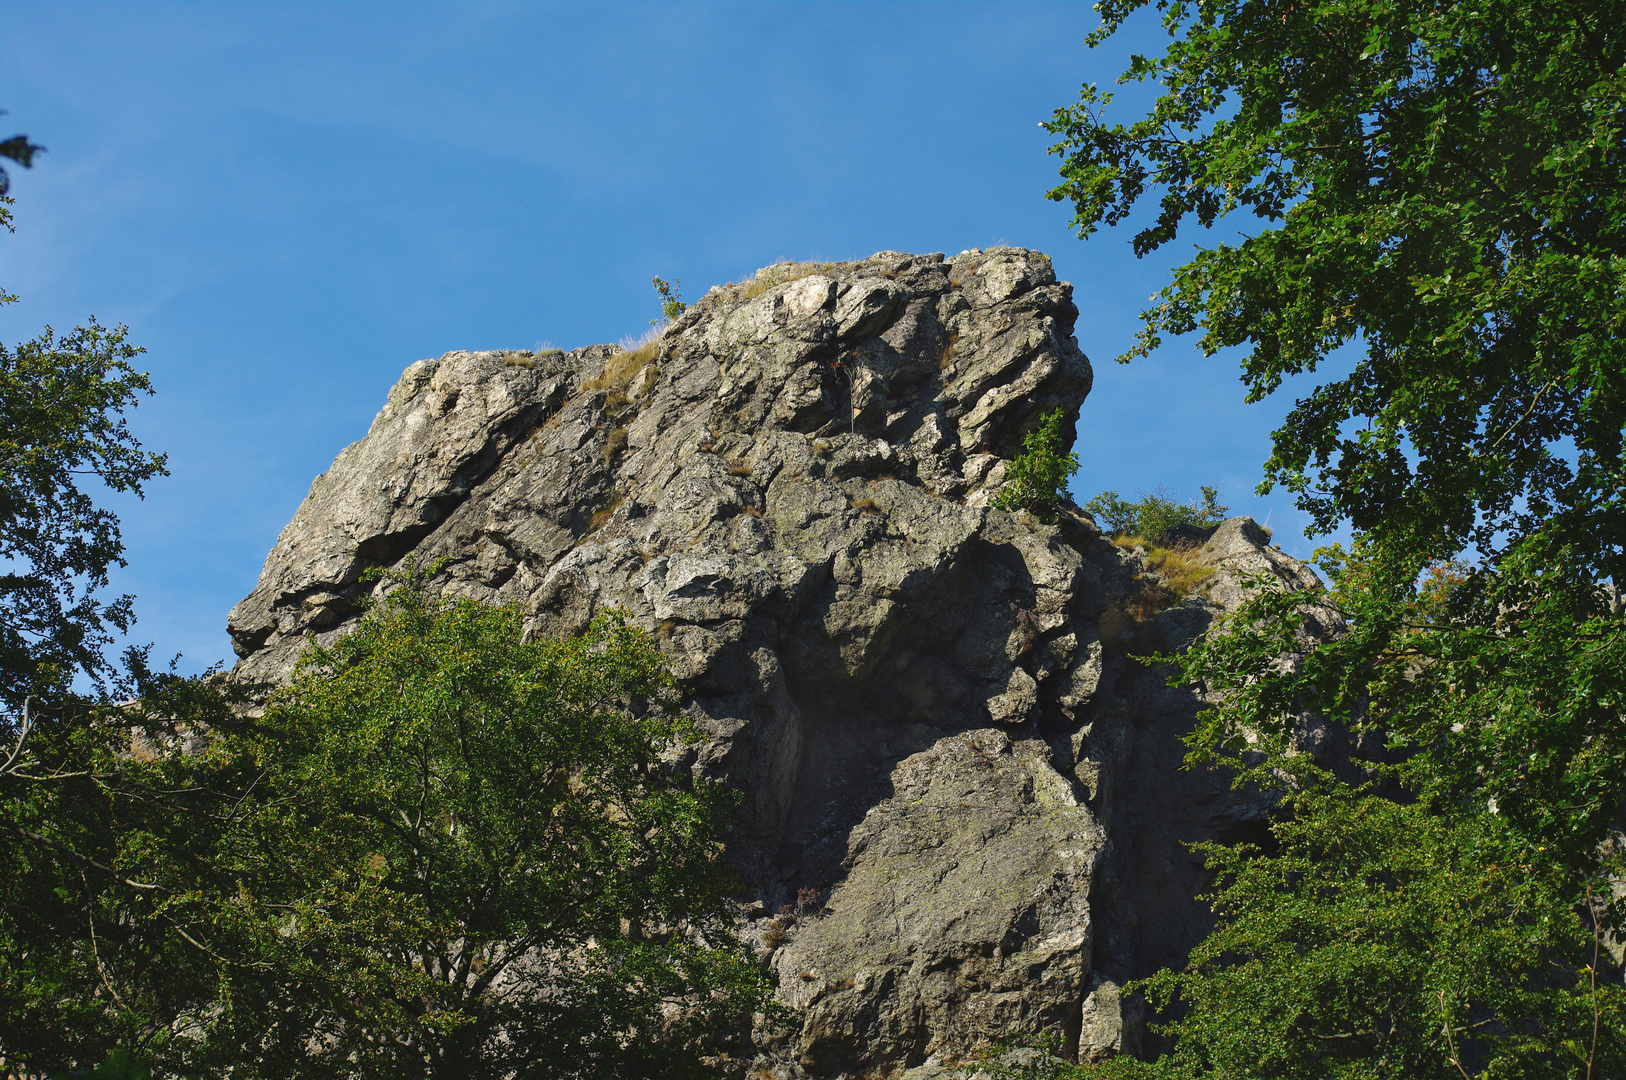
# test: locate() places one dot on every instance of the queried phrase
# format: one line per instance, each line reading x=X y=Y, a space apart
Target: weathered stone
x=923 y=698
x=964 y=911
x=1110 y=1025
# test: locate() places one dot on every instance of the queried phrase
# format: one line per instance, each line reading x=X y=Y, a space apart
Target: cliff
x=964 y=814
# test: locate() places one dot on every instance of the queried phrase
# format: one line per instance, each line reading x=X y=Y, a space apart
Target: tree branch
x=82 y=859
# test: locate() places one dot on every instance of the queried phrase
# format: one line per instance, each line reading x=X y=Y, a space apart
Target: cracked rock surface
x=964 y=817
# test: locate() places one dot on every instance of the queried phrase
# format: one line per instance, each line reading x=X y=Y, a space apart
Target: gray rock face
x=964 y=817
x=964 y=910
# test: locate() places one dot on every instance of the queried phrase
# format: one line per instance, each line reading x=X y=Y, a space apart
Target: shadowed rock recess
x=964 y=815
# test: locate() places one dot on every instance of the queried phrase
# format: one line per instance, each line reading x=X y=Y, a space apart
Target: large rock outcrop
x=964 y=815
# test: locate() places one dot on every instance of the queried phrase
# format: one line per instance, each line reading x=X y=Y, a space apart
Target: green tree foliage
x=1441 y=185
x=62 y=404
x=442 y=851
x=118 y=1066
x=1384 y=939
x=1439 y=192
x=465 y=811
x=1037 y=480
x=1155 y=515
x=1397 y=926
x=109 y=821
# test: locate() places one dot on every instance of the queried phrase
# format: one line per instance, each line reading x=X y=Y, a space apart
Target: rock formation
x=964 y=815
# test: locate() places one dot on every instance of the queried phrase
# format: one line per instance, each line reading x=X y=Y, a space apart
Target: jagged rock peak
x=956 y=776
x=912 y=366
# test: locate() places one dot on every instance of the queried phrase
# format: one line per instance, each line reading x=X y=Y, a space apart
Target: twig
x=1450 y=1038
x=1592 y=1054
x=1510 y=428
x=22 y=737
x=95 y=948
x=83 y=859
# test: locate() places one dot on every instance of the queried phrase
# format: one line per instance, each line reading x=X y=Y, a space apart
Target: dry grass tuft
x=777 y=274
x=1174 y=574
x=865 y=506
x=602 y=518
x=739 y=467
x=946 y=355
x=623 y=367
x=634 y=342
x=614 y=443
x=516 y=359
x=619 y=372
x=1178 y=568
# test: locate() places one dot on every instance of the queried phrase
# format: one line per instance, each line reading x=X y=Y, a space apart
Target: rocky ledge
x=965 y=818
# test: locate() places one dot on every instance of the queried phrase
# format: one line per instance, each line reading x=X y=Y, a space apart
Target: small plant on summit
x=1037 y=479
x=672 y=304
x=1155 y=515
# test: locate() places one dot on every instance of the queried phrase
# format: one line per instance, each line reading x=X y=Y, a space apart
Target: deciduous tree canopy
x=62 y=405
x=1440 y=191
x=443 y=851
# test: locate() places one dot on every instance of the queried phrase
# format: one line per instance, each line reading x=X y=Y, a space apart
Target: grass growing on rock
x=1169 y=574
x=614 y=443
x=1175 y=564
x=602 y=517
x=1155 y=523
x=777 y=274
x=622 y=368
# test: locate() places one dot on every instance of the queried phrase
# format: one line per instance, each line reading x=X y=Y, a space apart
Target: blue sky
x=289 y=202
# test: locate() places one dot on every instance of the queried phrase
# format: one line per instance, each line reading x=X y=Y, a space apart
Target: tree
x=1438 y=191
x=443 y=851
x=62 y=404
x=672 y=304
x=113 y=822
x=1442 y=187
x=485 y=862
x=1037 y=479
x=1399 y=924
